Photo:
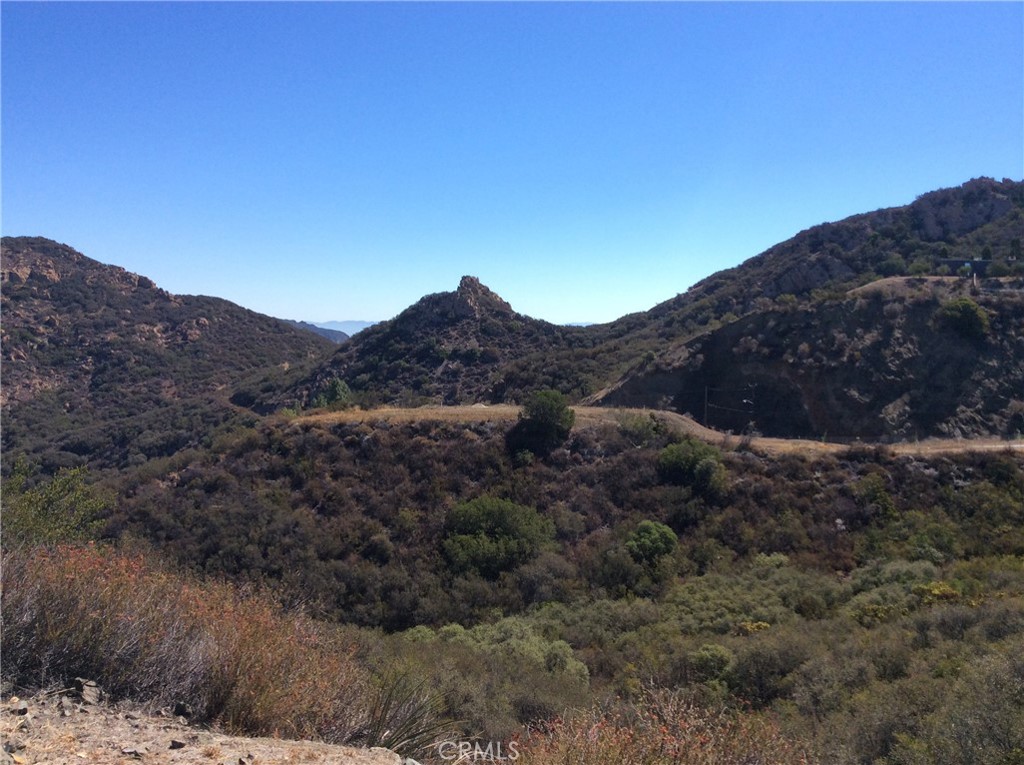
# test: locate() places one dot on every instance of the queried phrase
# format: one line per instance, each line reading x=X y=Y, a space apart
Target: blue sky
x=340 y=160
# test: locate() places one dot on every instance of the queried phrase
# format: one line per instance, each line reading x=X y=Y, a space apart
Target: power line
x=749 y=388
x=730 y=409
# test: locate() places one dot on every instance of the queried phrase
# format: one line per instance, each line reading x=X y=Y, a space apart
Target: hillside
x=830 y=585
x=891 y=362
x=983 y=218
x=449 y=348
x=469 y=345
x=294 y=570
x=100 y=365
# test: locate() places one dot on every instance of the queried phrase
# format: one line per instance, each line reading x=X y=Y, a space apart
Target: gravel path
x=58 y=729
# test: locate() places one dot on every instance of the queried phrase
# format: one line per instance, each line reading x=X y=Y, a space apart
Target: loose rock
x=88 y=690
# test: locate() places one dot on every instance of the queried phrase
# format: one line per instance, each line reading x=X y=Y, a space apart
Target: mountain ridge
x=334 y=335
x=99 y=362
x=981 y=218
x=349 y=326
x=78 y=334
x=447 y=347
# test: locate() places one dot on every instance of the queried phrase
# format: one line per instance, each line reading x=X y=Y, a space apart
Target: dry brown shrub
x=162 y=637
x=662 y=728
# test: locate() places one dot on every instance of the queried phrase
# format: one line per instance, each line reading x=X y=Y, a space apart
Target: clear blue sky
x=340 y=160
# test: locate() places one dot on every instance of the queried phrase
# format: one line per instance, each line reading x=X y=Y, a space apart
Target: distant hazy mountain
x=348 y=327
x=335 y=336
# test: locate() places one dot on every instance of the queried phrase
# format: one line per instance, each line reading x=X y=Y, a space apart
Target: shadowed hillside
x=934 y=358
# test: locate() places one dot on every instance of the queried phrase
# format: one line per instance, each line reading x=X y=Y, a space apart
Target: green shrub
x=650 y=542
x=965 y=317
x=710 y=662
x=337 y=395
x=544 y=423
x=487 y=536
x=678 y=463
x=894 y=265
x=406 y=716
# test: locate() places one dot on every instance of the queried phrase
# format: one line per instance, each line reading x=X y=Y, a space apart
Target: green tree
x=919 y=267
x=544 y=423
x=678 y=463
x=64 y=509
x=894 y=265
x=337 y=395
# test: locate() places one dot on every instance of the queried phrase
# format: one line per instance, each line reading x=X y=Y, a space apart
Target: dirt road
x=592 y=415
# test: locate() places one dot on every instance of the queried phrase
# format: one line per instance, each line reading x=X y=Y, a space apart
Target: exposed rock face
x=474 y=299
x=961 y=220
x=955 y=212
x=805 y=276
x=43 y=261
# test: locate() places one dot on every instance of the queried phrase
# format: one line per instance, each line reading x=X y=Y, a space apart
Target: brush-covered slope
x=101 y=365
x=982 y=219
x=449 y=347
x=934 y=234
x=470 y=345
x=823 y=335
x=902 y=358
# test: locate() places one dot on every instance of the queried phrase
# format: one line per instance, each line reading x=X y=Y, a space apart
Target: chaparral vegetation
x=213 y=511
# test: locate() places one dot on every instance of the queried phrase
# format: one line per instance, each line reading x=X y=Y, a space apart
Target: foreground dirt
x=590 y=415
x=59 y=730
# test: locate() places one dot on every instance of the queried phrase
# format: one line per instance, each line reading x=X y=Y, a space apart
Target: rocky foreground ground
x=61 y=728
